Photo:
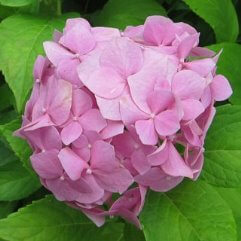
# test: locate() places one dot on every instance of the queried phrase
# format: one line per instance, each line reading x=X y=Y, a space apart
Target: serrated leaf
x=121 y=13
x=16 y=3
x=191 y=212
x=48 y=220
x=221 y=16
x=19 y=146
x=229 y=65
x=15 y=181
x=222 y=166
x=21 y=39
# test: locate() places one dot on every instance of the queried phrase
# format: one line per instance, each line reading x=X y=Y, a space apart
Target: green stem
x=58 y=7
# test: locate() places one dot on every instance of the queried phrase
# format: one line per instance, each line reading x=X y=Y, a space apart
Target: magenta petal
x=167 y=123
x=146 y=131
x=192 y=109
x=71 y=132
x=175 y=165
x=56 y=53
x=47 y=164
x=72 y=163
x=221 y=88
x=92 y=120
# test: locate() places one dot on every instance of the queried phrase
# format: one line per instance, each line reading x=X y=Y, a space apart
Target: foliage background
x=206 y=210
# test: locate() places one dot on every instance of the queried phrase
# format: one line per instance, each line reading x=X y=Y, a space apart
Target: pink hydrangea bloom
x=116 y=112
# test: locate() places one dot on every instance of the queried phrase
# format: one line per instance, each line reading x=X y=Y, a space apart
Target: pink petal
x=47 y=164
x=175 y=166
x=112 y=129
x=81 y=102
x=72 y=163
x=167 y=123
x=146 y=131
x=140 y=162
x=71 y=132
x=40 y=65
x=123 y=56
x=192 y=109
x=110 y=109
x=105 y=34
x=157 y=180
x=92 y=120
x=78 y=39
x=221 y=88
x=106 y=83
x=56 y=53
x=188 y=84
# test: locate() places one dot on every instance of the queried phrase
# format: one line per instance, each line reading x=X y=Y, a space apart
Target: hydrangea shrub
x=127 y=123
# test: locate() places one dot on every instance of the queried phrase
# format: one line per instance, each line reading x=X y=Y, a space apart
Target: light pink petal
x=135 y=33
x=140 y=162
x=56 y=53
x=72 y=22
x=112 y=129
x=92 y=120
x=221 y=88
x=201 y=66
x=188 y=84
x=192 y=109
x=206 y=98
x=106 y=83
x=78 y=39
x=40 y=65
x=81 y=102
x=187 y=45
x=157 y=180
x=96 y=216
x=123 y=56
x=57 y=35
x=47 y=164
x=160 y=100
x=72 y=163
x=146 y=131
x=202 y=52
x=175 y=165
x=71 y=132
x=104 y=33
x=110 y=109
x=159 y=156
x=167 y=123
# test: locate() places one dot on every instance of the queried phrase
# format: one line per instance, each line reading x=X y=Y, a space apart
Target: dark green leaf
x=220 y=14
x=132 y=233
x=191 y=212
x=6 y=208
x=48 y=220
x=222 y=165
x=120 y=13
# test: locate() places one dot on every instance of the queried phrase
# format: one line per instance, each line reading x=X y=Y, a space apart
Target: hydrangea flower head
x=111 y=110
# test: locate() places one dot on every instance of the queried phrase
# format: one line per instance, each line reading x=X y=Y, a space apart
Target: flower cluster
x=116 y=112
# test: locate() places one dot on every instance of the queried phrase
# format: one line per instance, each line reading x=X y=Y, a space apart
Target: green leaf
x=191 y=212
x=15 y=181
x=233 y=198
x=6 y=208
x=121 y=13
x=222 y=166
x=19 y=146
x=48 y=220
x=229 y=65
x=6 y=97
x=21 y=40
x=221 y=16
x=15 y=3
x=132 y=233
